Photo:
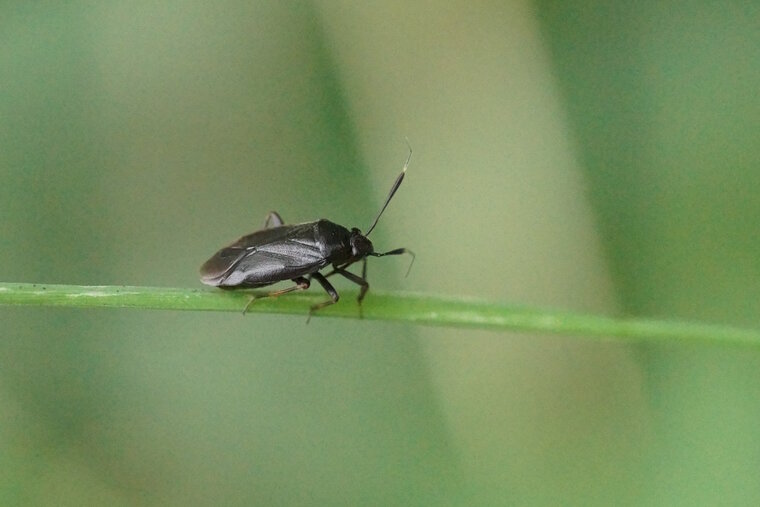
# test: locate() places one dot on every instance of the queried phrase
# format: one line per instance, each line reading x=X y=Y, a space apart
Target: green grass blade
x=424 y=309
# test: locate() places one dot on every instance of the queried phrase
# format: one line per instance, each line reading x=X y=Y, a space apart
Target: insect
x=298 y=252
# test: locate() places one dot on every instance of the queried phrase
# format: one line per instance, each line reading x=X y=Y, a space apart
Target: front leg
x=361 y=281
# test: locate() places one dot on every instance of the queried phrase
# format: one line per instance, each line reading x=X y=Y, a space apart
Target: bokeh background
x=593 y=156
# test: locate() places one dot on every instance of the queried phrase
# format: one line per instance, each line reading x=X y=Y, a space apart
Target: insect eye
x=360 y=245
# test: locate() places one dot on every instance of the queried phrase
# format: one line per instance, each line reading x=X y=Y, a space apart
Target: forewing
x=216 y=269
x=265 y=257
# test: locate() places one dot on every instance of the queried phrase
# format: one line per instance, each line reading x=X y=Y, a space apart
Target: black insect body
x=298 y=253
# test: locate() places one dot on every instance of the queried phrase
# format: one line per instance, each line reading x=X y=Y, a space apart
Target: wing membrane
x=266 y=257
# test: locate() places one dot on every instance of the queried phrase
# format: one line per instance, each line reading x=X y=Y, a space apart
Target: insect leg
x=336 y=269
x=361 y=281
x=273 y=220
x=301 y=284
x=358 y=280
x=334 y=296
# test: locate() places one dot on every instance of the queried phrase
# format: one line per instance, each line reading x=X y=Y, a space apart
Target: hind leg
x=301 y=283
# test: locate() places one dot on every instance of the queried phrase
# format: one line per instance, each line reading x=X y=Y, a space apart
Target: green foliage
x=424 y=309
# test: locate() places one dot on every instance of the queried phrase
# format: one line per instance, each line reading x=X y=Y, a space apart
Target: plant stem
x=422 y=309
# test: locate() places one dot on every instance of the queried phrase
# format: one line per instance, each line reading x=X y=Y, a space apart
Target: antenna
x=395 y=186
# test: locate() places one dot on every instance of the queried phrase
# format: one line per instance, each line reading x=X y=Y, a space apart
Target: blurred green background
x=592 y=156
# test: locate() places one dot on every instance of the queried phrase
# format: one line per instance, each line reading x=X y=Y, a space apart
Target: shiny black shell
x=280 y=253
